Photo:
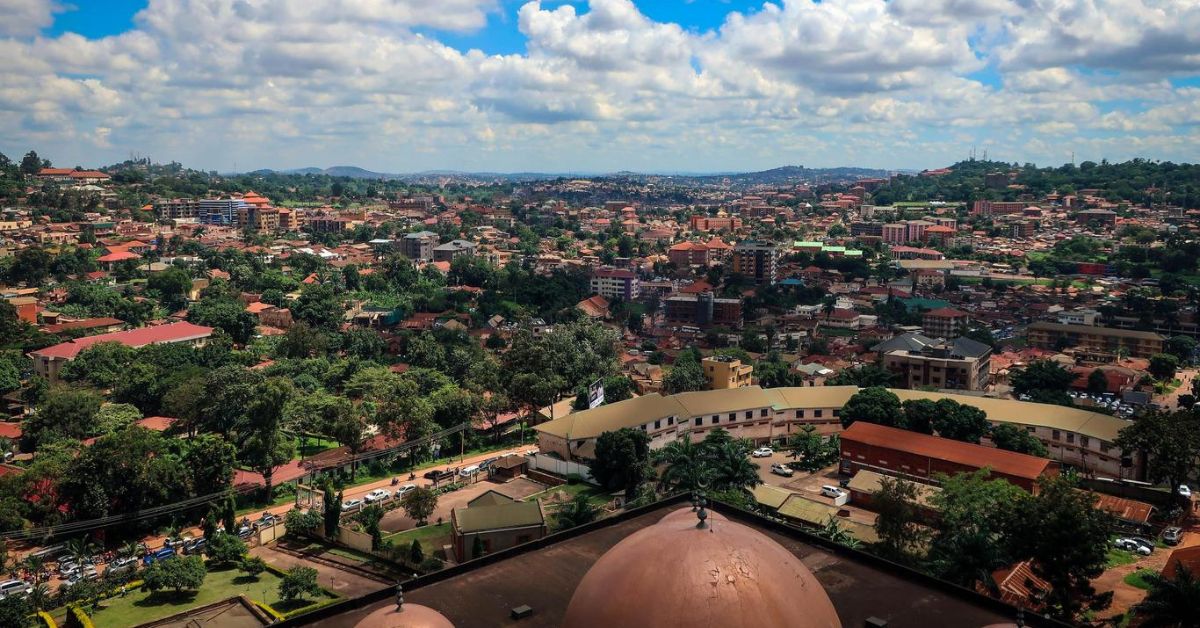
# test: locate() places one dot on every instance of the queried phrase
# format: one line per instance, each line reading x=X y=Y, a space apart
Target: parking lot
x=808 y=485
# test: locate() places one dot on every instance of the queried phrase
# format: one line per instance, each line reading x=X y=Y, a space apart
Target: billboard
x=596 y=394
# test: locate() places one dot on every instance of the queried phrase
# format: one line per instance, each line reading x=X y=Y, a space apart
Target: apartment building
x=184 y=209
x=221 y=211
x=919 y=361
x=615 y=283
x=452 y=249
x=1096 y=343
x=418 y=246
x=723 y=371
x=687 y=254
x=944 y=322
x=703 y=310
x=757 y=260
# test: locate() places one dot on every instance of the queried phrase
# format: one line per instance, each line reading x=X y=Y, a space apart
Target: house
x=723 y=371
x=49 y=361
x=112 y=259
x=498 y=521
x=594 y=306
x=917 y=360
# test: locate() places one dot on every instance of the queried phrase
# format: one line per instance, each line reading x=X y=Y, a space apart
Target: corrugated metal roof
x=977 y=456
x=498 y=517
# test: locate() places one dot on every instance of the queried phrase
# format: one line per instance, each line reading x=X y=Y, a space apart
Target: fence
x=548 y=464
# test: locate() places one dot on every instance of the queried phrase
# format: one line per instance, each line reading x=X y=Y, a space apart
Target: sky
x=598 y=85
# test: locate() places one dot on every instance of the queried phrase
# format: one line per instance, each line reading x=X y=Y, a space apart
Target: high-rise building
x=418 y=246
x=615 y=283
x=756 y=260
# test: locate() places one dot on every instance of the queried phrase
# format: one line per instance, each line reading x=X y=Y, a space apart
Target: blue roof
x=791 y=281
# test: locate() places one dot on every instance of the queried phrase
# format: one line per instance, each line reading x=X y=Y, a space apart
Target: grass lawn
x=139 y=607
x=1118 y=557
x=1138 y=578
x=430 y=536
x=595 y=495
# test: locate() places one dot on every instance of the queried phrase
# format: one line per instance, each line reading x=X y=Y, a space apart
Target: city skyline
x=599 y=86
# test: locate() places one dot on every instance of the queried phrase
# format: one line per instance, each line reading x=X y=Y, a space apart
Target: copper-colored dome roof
x=413 y=616
x=673 y=574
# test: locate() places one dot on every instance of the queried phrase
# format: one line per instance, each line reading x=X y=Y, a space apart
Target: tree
x=10 y=376
x=1044 y=381
x=225 y=548
x=1163 y=366
x=114 y=417
x=299 y=522
x=863 y=376
x=103 y=365
x=416 y=554
x=225 y=314
x=332 y=510
x=732 y=468
x=960 y=421
x=1170 y=602
x=253 y=566
x=176 y=573
x=264 y=445
x=65 y=412
x=919 y=415
x=622 y=460
x=172 y=286
x=813 y=451
x=968 y=546
x=684 y=466
x=350 y=429
x=898 y=524
x=1012 y=438
x=299 y=583
x=419 y=504
x=1182 y=347
x=31 y=163
x=1065 y=536
x=1097 y=383
x=370 y=517
x=319 y=308
x=873 y=405
x=1169 y=440
x=577 y=512
x=16 y=611
x=685 y=375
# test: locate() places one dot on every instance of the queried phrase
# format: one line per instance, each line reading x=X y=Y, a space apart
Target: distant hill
x=784 y=174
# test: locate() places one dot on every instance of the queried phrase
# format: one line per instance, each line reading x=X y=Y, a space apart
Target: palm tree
x=685 y=466
x=576 y=512
x=732 y=469
x=35 y=565
x=80 y=550
x=1171 y=602
x=39 y=596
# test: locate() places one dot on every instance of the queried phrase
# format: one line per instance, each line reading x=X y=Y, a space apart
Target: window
x=670 y=421
x=1104 y=447
x=749 y=414
x=762 y=412
x=1055 y=435
x=715 y=419
x=1071 y=437
x=698 y=421
x=1083 y=441
x=816 y=414
x=658 y=424
x=799 y=414
x=836 y=413
x=732 y=416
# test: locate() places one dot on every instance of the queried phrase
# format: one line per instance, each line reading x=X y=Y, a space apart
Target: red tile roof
x=977 y=456
x=174 y=332
x=157 y=423
x=11 y=431
x=118 y=256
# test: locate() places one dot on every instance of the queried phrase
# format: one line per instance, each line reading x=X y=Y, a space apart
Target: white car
x=1185 y=491
x=762 y=452
x=15 y=588
x=830 y=490
x=468 y=471
x=782 y=469
x=351 y=504
x=377 y=495
x=1131 y=545
x=404 y=490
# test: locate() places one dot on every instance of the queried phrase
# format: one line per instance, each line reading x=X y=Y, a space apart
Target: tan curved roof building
x=1073 y=436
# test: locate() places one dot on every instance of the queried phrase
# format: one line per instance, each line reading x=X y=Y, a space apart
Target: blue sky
x=598 y=85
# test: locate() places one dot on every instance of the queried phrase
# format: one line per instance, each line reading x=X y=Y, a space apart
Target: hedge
x=311 y=607
x=266 y=608
x=78 y=618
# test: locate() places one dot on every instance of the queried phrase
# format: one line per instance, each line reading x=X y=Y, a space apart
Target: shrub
x=253 y=566
x=300 y=583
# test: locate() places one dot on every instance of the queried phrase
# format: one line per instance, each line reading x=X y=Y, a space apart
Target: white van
x=467 y=472
x=11 y=588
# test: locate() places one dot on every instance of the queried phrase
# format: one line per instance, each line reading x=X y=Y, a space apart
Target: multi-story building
x=944 y=322
x=258 y=218
x=1073 y=436
x=48 y=361
x=1021 y=229
x=615 y=283
x=894 y=233
x=1096 y=343
x=703 y=310
x=867 y=229
x=332 y=223
x=723 y=371
x=919 y=361
x=221 y=211
x=452 y=249
x=184 y=209
x=997 y=208
x=687 y=254
x=756 y=260
x=715 y=223
x=418 y=246
x=416 y=203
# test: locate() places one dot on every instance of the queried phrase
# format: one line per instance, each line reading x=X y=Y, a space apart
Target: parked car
x=265 y=521
x=67 y=567
x=15 y=588
x=161 y=554
x=377 y=495
x=782 y=469
x=1185 y=491
x=404 y=490
x=121 y=565
x=469 y=470
x=762 y=452
x=195 y=546
x=1172 y=535
x=351 y=504
x=244 y=532
x=489 y=462
x=1132 y=545
x=830 y=490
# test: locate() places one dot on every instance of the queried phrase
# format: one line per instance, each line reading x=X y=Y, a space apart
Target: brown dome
x=413 y=616
x=673 y=574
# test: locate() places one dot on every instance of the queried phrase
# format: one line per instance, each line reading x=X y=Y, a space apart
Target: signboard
x=596 y=394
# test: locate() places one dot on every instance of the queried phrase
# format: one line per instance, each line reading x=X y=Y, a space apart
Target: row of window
x=732 y=416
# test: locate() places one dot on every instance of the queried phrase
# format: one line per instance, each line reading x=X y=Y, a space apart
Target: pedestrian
x=122 y=590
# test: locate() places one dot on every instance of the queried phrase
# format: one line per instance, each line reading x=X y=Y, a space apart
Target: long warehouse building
x=1074 y=437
